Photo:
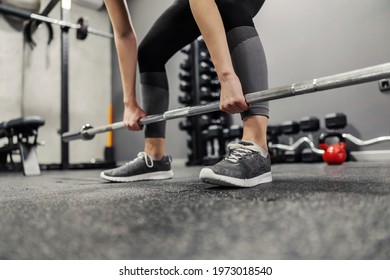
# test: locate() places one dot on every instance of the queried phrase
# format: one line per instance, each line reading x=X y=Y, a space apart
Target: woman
x=237 y=54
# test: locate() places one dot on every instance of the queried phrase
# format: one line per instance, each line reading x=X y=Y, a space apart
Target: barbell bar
x=81 y=26
x=350 y=78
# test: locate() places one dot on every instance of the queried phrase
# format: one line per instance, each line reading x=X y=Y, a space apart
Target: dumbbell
x=291 y=128
x=273 y=133
x=233 y=133
x=192 y=148
x=208 y=82
x=214 y=142
x=187 y=124
x=207 y=68
x=185 y=65
x=185 y=99
x=185 y=76
x=334 y=121
x=221 y=118
x=310 y=125
x=208 y=95
x=185 y=86
x=205 y=57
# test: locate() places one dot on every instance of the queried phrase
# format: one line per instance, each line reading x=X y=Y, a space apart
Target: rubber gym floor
x=309 y=211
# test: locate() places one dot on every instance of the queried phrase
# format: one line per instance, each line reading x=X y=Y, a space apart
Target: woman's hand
x=232 y=98
x=131 y=117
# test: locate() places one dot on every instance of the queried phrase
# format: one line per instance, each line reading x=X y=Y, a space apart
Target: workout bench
x=21 y=134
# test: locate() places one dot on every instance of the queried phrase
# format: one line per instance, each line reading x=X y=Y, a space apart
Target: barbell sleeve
x=100 y=33
x=355 y=77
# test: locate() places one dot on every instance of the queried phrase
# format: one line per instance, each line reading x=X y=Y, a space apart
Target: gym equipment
x=203 y=121
x=81 y=27
x=32 y=25
x=339 y=121
x=232 y=133
x=208 y=69
x=185 y=99
x=296 y=145
x=214 y=143
x=185 y=76
x=212 y=83
x=335 y=153
x=384 y=85
x=185 y=87
x=359 y=76
x=30 y=5
x=185 y=65
x=368 y=142
x=189 y=85
x=294 y=152
x=199 y=83
x=209 y=96
x=291 y=128
x=22 y=134
x=273 y=133
x=335 y=121
x=310 y=125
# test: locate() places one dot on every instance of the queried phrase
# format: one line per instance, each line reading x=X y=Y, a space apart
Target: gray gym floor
x=310 y=211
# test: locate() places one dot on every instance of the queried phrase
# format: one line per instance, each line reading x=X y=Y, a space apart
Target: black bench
x=21 y=135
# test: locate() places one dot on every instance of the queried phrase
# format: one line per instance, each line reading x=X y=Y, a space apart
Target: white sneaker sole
x=160 y=175
x=208 y=176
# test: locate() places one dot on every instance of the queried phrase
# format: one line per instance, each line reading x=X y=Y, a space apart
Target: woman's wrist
x=130 y=104
x=226 y=76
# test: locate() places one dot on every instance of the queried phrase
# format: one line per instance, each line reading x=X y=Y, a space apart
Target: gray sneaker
x=247 y=165
x=140 y=169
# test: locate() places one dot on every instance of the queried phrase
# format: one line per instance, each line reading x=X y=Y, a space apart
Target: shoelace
x=143 y=155
x=237 y=151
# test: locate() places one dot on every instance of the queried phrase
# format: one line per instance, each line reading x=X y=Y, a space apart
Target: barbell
x=82 y=28
x=350 y=78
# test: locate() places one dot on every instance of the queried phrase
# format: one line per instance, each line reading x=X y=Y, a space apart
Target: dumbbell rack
x=199 y=88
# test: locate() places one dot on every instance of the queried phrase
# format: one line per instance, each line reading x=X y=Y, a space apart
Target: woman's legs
x=248 y=163
x=174 y=30
x=249 y=62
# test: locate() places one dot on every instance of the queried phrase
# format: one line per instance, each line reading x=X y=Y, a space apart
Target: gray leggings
x=175 y=29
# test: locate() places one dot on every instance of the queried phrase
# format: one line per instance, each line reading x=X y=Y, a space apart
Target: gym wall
x=11 y=70
x=303 y=40
x=30 y=82
x=309 y=39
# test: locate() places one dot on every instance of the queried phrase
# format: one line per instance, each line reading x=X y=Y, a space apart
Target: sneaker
x=247 y=165
x=143 y=167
